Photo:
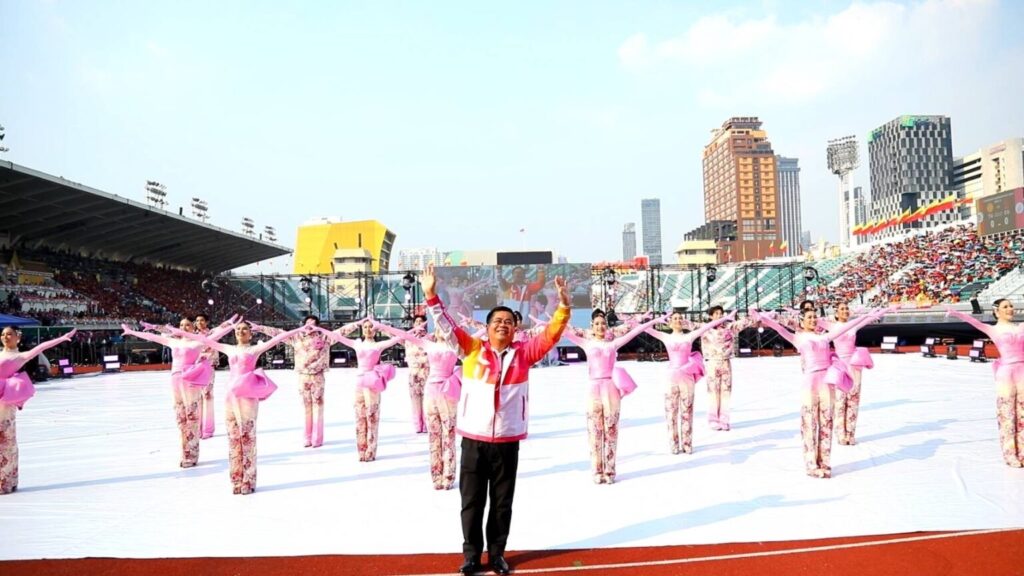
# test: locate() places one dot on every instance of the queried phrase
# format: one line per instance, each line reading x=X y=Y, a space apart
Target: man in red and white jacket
x=492 y=416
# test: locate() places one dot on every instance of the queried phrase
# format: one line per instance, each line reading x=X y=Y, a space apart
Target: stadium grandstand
x=74 y=255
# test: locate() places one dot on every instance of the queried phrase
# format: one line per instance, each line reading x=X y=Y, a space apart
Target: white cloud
x=634 y=52
x=797 y=62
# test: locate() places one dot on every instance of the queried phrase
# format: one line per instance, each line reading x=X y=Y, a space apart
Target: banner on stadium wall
x=948 y=203
x=1003 y=212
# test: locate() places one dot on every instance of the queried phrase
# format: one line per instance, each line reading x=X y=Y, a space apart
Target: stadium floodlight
x=156 y=194
x=200 y=210
x=248 y=227
x=2 y=148
x=843 y=158
x=269 y=234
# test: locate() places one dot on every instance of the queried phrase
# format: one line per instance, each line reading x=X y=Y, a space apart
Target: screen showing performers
x=471 y=291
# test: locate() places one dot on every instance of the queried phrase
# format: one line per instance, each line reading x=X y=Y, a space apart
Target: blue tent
x=7 y=320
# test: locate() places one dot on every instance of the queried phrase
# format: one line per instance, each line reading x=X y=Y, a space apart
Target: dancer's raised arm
x=988 y=329
x=771 y=323
x=210 y=342
x=856 y=324
x=334 y=336
x=269 y=344
x=621 y=341
x=713 y=324
x=157 y=338
x=44 y=346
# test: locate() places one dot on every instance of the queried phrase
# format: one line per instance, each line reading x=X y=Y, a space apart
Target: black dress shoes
x=470 y=567
x=499 y=566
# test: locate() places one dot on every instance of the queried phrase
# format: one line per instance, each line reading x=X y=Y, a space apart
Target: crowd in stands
x=83 y=291
x=934 y=267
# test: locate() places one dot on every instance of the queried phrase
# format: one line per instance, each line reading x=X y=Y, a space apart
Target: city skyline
x=650 y=217
x=282 y=115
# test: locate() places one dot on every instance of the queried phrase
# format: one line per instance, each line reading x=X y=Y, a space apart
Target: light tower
x=843 y=159
x=200 y=209
x=156 y=194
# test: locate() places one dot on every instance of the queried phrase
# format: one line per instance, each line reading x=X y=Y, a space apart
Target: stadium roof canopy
x=38 y=209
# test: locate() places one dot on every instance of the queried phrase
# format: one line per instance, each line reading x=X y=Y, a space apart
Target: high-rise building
x=911 y=163
x=860 y=206
x=789 y=205
x=418 y=258
x=629 y=241
x=650 y=218
x=805 y=240
x=740 y=185
x=988 y=171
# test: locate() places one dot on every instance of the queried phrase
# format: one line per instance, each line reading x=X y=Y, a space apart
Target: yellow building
x=319 y=240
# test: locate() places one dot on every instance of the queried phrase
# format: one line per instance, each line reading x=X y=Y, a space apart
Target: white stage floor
x=100 y=476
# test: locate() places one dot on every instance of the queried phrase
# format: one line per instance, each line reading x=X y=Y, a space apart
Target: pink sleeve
x=780 y=329
x=981 y=326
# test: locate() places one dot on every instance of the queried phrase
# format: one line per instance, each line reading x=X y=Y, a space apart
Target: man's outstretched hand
x=563 y=291
x=428 y=281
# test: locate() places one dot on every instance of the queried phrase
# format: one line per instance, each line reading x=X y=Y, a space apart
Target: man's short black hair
x=500 y=309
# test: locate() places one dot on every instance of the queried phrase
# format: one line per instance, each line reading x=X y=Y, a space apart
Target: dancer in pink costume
x=419 y=367
x=685 y=367
x=15 y=389
x=312 y=357
x=190 y=375
x=248 y=386
x=823 y=371
x=440 y=399
x=210 y=356
x=717 y=348
x=208 y=424
x=462 y=293
x=847 y=404
x=790 y=318
x=1009 y=373
x=371 y=380
x=608 y=385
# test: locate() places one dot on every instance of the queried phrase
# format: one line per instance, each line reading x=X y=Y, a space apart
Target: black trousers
x=488 y=468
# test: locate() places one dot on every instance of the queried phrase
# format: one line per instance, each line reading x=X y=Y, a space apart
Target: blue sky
x=459 y=123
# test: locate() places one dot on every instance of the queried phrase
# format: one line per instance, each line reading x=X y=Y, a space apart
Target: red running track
x=989 y=552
